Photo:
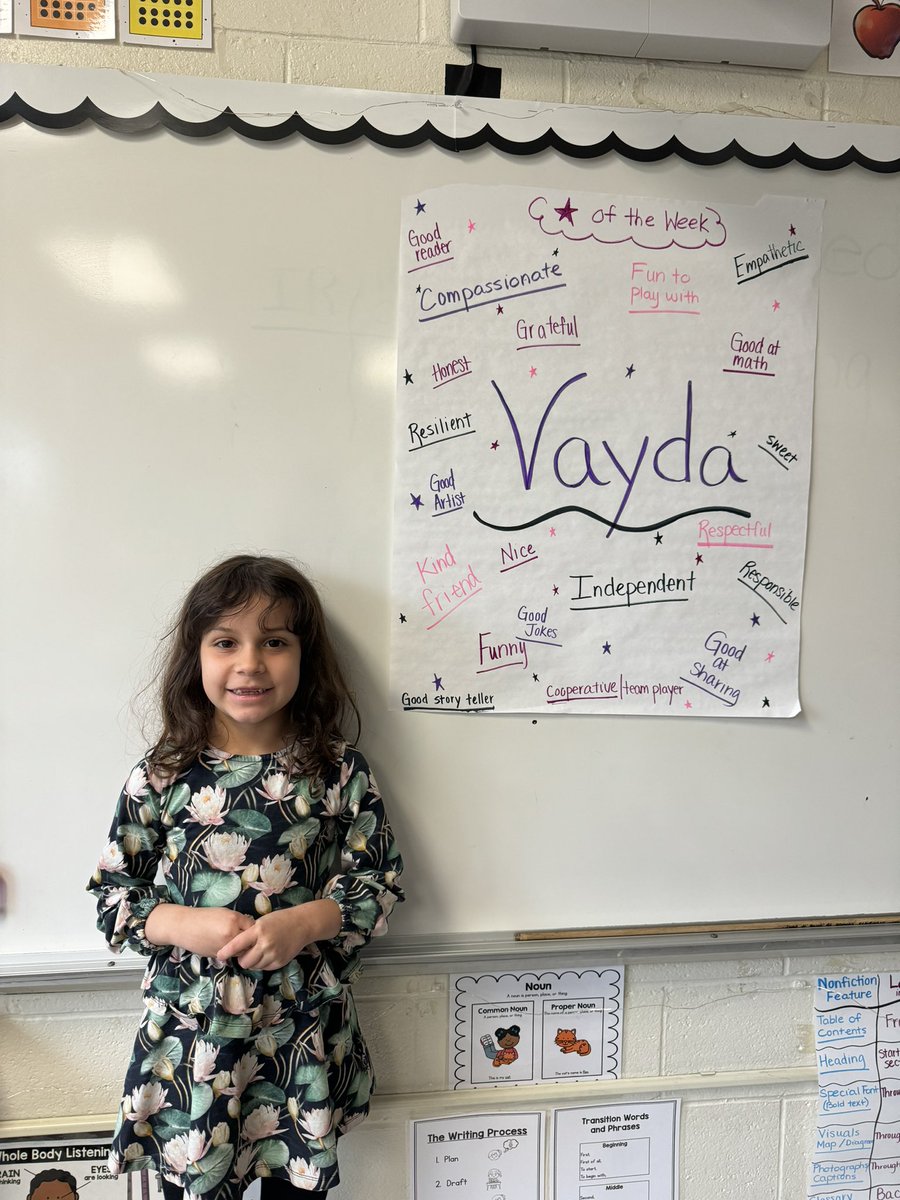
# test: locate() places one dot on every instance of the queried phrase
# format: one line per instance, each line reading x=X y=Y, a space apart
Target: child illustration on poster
x=603 y=439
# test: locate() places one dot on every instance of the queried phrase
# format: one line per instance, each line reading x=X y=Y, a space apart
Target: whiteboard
x=198 y=358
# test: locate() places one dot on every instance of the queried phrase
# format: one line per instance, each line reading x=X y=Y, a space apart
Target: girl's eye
x=275 y=641
x=223 y=643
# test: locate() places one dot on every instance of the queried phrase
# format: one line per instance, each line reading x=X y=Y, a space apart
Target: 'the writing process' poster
x=603 y=436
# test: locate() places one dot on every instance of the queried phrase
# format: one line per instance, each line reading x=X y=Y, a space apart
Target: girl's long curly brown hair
x=322 y=702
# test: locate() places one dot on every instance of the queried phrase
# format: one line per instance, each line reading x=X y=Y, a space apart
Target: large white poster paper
x=602 y=441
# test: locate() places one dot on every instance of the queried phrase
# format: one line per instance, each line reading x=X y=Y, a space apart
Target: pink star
x=776 y=304
x=494 y=445
x=532 y=371
x=471 y=226
x=565 y=213
x=555 y=590
x=792 y=231
x=552 y=531
x=770 y=656
x=687 y=704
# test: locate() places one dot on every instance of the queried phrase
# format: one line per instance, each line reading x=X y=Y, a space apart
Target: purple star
x=607 y=649
x=438 y=684
x=415 y=501
x=754 y=620
x=420 y=207
x=565 y=213
x=495 y=445
x=629 y=371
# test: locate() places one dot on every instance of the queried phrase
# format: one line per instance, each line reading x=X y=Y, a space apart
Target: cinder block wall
x=744 y=1135
x=62 y=1055
x=402 y=46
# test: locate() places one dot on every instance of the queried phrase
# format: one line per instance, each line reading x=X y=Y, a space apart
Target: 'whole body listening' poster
x=604 y=415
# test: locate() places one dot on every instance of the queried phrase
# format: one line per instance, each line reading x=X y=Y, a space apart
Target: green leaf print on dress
x=236 y=1072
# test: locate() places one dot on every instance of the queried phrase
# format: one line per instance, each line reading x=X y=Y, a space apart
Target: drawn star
x=565 y=213
x=629 y=371
x=792 y=231
x=494 y=445
x=407 y=378
x=770 y=656
x=687 y=704
x=534 y=677
x=754 y=620
x=418 y=289
x=658 y=537
x=552 y=531
x=415 y=501
x=765 y=702
x=733 y=433
x=499 y=310
x=555 y=590
x=532 y=371
x=471 y=226
x=607 y=649
x=420 y=207
x=438 y=684
x=698 y=558
x=556 y=252
x=776 y=304
x=402 y=618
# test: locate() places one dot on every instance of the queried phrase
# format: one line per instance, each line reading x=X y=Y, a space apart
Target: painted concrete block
x=730 y=1149
x=392 y=68
x=738 y=1026
x=374 y=21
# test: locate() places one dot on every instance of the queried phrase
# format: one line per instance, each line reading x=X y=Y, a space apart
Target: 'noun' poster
x=602 y=441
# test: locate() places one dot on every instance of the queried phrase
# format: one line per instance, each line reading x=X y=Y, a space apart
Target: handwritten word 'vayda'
x=575 y=461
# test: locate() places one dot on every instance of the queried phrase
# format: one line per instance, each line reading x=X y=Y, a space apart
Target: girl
x=278 y=864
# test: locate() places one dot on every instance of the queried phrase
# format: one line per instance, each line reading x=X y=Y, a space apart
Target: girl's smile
x=250 y=670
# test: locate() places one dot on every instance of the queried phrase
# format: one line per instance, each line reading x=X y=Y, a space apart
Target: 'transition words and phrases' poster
x=603 y=432
x=524 y=1026
x=616 y=1151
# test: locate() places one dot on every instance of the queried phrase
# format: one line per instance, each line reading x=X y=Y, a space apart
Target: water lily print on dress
x=236 y=1073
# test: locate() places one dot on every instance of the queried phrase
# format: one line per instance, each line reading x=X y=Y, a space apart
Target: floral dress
x=239 y=1073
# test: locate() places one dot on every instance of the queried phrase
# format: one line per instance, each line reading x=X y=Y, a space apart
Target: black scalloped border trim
x=158 y=116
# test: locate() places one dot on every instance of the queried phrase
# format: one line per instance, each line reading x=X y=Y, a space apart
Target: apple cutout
x=877 y=28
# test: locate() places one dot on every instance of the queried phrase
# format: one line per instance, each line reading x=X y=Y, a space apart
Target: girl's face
x=250 y=670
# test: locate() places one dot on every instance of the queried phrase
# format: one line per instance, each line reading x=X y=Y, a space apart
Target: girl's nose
x=250 y=662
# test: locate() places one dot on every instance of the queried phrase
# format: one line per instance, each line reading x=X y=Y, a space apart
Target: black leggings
x=271 y=1189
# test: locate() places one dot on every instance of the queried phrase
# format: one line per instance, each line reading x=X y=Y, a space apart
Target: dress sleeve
x=123 y=882
x=366 y=889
